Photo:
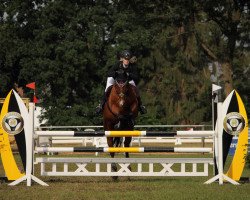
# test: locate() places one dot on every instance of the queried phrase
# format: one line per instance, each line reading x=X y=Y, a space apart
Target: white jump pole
x=123 y=149
x=126 y=133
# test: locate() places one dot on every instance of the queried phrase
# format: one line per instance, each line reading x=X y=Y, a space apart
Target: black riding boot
x=105 y=96
x=142 y=109
x=99 y=108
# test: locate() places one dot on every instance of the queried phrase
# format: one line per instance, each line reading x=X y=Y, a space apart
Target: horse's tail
x=117 y=141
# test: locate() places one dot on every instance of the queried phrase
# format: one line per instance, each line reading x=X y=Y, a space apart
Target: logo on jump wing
x=12 y=123
x=234 y=123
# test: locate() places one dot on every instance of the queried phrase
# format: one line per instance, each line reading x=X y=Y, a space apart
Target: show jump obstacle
x=231 y=120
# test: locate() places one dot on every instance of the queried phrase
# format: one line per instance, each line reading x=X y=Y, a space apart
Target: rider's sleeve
x=112 y=70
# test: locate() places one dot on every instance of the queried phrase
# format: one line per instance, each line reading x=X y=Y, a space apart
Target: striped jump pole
x=126 y=133
x=123 y=149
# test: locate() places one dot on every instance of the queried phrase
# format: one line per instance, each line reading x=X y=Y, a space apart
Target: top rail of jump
x=126 y=133
x=136 y=126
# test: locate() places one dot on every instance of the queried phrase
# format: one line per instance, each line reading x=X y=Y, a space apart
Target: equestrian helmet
x=126 y=54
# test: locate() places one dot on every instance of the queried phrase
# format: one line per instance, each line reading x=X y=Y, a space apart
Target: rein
x=120 y=85
x=111 y=110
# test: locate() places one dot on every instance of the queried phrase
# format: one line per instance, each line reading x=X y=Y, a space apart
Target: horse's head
x=121 y=80
x=121 y=77
x=121 y=85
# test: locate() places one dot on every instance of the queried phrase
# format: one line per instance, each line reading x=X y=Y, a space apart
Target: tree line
x=182 y=47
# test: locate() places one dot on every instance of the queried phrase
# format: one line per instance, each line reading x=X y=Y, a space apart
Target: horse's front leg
x=127 y=144
x=113 y=165
x=110 y=143
x=108 y=127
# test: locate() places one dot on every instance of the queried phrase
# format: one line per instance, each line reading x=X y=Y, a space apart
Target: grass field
x=126 y=188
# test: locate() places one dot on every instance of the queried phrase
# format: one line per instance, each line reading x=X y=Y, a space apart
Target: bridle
x=120 y=85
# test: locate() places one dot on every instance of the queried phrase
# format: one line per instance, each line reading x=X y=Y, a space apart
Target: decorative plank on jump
x=126 y=133
x=123 y=149
x=140 y=166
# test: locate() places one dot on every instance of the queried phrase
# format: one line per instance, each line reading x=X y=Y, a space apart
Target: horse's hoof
x=113 y=167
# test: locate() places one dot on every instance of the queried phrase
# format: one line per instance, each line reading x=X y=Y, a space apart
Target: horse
x=120 y=111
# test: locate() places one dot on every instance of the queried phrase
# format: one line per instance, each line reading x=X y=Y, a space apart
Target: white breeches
x=111 y=81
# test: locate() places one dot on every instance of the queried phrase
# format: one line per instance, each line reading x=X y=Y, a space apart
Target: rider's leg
x=110 y=82
x=105 y=96
x=142 y=109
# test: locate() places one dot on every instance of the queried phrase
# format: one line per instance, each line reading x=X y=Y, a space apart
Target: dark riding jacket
x=131 y=70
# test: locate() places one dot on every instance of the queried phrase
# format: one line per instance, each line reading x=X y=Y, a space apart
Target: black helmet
x=126 y=54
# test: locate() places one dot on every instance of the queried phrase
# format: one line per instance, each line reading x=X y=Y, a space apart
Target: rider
x=127 y=64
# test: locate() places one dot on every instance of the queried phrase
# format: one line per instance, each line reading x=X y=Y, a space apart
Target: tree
x=228 y=28
x=66 y=47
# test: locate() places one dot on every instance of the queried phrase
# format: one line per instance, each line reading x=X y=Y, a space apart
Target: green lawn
x=127 y=188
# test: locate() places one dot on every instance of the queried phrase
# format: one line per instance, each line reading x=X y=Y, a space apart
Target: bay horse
x=120 y=111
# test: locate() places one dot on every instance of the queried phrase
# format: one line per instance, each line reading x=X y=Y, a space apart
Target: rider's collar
x=125 y=66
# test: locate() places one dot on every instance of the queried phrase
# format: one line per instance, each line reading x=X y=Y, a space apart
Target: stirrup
x=142 y=109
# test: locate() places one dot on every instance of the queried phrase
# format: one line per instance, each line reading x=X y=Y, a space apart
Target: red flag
x=31 y=85
x=35 y=99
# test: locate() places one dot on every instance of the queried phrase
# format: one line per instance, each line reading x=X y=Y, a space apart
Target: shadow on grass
x=85 y=180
